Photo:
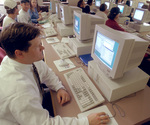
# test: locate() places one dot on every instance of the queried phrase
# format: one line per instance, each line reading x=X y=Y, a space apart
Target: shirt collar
x=21 y=66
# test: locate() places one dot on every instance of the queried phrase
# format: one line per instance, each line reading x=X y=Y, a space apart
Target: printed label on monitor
x=106 y=49
x=77 y=24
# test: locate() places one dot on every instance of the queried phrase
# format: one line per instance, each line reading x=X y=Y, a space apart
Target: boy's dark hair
x=17 y=37
x=89 y=2
x=103 y=7
x=113 y=13
x=79 y=3
x=24 y=1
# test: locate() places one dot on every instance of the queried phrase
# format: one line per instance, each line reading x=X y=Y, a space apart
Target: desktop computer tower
x=132 y=81
x=140 y=27
x=79 y=47
x=65 y=30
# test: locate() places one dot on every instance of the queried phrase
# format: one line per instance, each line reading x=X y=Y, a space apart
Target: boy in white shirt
x=24 y=16
x=12 y=11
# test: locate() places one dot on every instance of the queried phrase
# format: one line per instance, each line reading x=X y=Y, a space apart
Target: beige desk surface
x=136 y=106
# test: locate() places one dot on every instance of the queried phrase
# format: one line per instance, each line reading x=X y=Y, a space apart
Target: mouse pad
x=63 y=68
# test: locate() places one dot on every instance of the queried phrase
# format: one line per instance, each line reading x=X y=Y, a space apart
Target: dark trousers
x=47 y=103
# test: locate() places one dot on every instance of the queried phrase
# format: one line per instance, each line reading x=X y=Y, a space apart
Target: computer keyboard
x=146 y=37
x=85 y=93
x=128 y=29
x=50 y=31
x=63 y=50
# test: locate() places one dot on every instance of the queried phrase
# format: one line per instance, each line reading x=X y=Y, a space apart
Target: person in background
x=112 y=19
x=148 y=4
x=21 y=73
x=85 y=8
x=118 y=1
x=103 y=11
x=35 y=16
x=12 y=11
x=90 y=3
x=24 y=16
x=132 y=10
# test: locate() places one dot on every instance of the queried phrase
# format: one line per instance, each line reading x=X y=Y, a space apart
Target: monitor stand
x=132 y=81
x=65 y=30
x=123 y=19
x=140 y=27
x=79 y=47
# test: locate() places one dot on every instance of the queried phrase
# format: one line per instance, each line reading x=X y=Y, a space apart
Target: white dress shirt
x=20 y=100
x=24 y=17
x=102 y=14
x=7 y=21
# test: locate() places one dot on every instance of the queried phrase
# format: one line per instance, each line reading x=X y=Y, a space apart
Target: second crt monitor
x=84 y=25
x=116 y=52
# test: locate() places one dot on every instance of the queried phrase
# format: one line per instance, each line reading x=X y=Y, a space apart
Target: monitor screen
x=56 y=9
x=105 y=49
x=121 y=7
x=97 y=3
x=107 y=3
x=138 y=15
x=77 y=24
x=140 y=4
x=131 y=2
x=50 y=6
x=62 y=13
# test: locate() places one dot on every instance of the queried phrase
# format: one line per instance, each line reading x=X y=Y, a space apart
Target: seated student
x=21 y=73
x=103 y=11
x=90 y=3
x=12 y=11
x=35 y=16
x=24 y=16
x=112 y=19
x=85 y=8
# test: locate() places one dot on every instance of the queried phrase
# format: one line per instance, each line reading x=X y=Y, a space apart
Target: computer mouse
x=63 y=63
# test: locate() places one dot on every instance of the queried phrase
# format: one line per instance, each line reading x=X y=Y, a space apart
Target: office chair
x=2 y=54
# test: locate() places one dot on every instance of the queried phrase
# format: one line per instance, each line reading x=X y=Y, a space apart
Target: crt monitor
x=116 y=52
x=140 y=4
x=99 y=2
x=66 y=13
x=73 y=2
x=109 y=5
x=124 y=9
x=84 y=25
x=141 y=15
x=52 y=7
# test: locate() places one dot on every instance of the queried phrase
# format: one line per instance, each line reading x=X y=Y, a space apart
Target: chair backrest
x=2 y=54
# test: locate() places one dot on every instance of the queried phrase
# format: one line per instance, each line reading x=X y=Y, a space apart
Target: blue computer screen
x=50 y=6
x=105 y=49
x=121 y=8
x=77 y=24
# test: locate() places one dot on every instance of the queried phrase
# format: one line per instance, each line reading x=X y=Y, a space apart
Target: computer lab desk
x=135 y=106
